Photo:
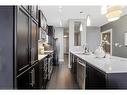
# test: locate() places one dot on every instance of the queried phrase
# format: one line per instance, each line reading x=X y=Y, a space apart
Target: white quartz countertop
x=50 y=51
x=108 y=65
x=42 y=56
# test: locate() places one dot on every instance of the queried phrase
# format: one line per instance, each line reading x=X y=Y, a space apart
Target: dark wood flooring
x=62 y=77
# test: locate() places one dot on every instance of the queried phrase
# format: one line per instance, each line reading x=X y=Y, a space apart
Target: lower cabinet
x=87 y=76
x=29 y=79
x=73 y=65
x=43 y=73
x=91 y=77
x=78 y=68
x=23 y=81
x=34 y=77
x=95 y=79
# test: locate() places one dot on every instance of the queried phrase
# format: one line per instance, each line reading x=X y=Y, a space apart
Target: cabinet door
x=41 y=74
x=34 y=12
x=22 y=40
x=23 y=81
x=95 y=79
x=34 y=77
x=34 y=42
x=37 y=83
x=26 y=7
x=45 y=74
x=42 y=21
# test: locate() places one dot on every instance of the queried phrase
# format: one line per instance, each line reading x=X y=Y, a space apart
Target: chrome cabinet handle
x=80 y=62
x=32 y=62
x=24 y=67
x=32 y=77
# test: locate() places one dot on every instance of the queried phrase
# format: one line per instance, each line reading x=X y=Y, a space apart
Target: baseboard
x=69 y=66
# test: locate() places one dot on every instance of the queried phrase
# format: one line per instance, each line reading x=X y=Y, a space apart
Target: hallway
x=62 y=77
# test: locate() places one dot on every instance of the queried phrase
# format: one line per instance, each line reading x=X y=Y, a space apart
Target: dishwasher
x=81 y=73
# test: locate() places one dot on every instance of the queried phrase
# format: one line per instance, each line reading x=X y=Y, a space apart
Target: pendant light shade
x=113 y=13
x=81 y=27
x=88 y=21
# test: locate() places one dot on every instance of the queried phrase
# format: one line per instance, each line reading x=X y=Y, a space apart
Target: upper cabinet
x=27 y=8
x=34 y=12
x=22 y=40
x=42 y=21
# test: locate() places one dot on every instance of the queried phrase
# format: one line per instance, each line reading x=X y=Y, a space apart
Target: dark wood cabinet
x=43 y=72
x=19 y=68
x=27 y=8
x=87 y=76
x=95 y=79
x=42 y=21
x=34 y=12
x=78 y=68
x=29 y=79
x=34 y=76
x=27 y=48
x=19 y=44
x=73 y=65
x=22 y=39
x=23 y=81
x=34 y=42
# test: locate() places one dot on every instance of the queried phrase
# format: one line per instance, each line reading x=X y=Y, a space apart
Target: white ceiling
x=73 y=12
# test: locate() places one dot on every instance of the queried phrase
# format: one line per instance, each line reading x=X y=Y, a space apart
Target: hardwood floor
x=62 y=77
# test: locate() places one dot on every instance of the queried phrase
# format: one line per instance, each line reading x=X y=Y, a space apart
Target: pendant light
x=81 y=27
x=88 y=20
x=113 y=13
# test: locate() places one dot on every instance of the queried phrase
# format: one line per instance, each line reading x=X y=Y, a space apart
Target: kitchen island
x=99 y=73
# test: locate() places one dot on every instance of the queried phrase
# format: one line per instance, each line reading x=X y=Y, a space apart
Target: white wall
x=59 y=33
x=93 y=38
